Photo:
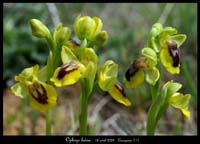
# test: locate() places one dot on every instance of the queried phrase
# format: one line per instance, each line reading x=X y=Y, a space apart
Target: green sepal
x=67 y=55
x=156 y=29
x=20 y=89
x=28 y=74
x=108 y=75
x=179 y=100
x=152 y=76
x=155 y=44
x=179 y=39
x=149 y=53
x=169 y=31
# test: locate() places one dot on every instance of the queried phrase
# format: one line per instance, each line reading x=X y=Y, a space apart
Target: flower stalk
x=83 y=109
x=48 y=122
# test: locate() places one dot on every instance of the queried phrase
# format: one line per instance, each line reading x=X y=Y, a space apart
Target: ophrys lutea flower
x=42 y=96
x=142 y=68
x=108 y=82
x=166 y=42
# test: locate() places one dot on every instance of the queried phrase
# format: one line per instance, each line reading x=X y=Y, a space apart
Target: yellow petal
x=68 y=74
x=117 y=92
x=186 y=112
x=42 y=96
x=135 y=80
x=167 y=61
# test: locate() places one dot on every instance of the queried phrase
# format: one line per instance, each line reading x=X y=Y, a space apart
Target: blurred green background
x=128 y=26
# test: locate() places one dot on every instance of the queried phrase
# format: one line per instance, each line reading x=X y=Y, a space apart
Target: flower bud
x=87 y=27
x=62 y=34
x=156 y=29
x=39 y=29
x=101 y=38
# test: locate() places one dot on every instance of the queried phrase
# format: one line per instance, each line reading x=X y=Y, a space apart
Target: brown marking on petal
x=130 y=72
x=38 y=92
x=174 y=52
x=120 y=89
x=134 y=67
x=67 y=68
x=74 y=42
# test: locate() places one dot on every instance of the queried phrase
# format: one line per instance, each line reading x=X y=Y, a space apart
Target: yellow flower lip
x=117 y=92
x=68 y=74
x=66 y=69
x=38 y=92
x=134 y=67
x=120 y=89
x=174 y=52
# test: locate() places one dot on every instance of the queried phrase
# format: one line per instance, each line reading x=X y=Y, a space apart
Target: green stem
x=48 y=122
x=83 y=116
x=83 y=108
x=153 y=113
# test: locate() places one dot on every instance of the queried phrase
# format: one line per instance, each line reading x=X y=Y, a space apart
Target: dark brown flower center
x=134 y=67
x=174 y=52
x=66 y=69
x=38 y=92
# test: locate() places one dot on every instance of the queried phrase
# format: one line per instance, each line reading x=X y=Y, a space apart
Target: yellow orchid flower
x=108 y=82
x=68 y=73
x=42 y=96
x=181 y=101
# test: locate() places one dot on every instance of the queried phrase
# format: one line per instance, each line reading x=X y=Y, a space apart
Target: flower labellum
x=174 y=52
x=134 y=67
x=68 y=74
x=38 y=92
